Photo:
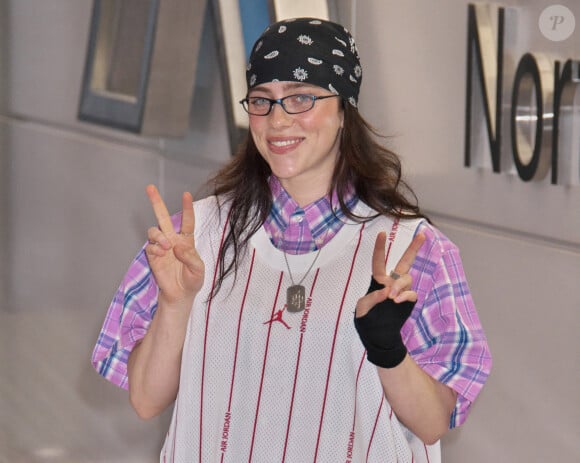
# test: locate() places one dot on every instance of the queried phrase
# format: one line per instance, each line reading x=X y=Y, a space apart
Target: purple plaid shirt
x=299 y=230
x=447 y=315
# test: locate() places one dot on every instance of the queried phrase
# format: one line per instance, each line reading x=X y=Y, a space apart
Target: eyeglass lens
x=292 y=104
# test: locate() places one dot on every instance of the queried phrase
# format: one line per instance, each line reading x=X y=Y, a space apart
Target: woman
x=239 y=310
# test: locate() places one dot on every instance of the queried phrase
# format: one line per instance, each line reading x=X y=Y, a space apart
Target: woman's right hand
x=174 y=261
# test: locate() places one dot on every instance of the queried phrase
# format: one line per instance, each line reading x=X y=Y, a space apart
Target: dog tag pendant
x=295 y=298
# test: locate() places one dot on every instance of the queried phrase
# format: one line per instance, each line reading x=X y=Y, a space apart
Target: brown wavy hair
x=373 y=170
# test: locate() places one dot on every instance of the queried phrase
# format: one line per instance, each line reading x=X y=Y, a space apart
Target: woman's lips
x=283 y=145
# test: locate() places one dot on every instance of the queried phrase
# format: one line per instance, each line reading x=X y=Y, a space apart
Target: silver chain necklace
x=296 y=294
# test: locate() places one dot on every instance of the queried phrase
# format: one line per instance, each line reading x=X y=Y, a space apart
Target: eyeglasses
x=292 y=104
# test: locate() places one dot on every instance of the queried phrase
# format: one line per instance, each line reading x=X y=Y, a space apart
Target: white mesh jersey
x=261 y=384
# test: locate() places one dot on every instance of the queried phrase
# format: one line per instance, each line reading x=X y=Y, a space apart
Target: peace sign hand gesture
x=382 y=312
x=174 y=261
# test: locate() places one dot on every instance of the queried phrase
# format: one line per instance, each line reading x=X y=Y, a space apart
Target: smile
x=283 y=143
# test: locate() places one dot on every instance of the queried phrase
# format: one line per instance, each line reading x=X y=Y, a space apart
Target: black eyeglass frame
x=280 y=101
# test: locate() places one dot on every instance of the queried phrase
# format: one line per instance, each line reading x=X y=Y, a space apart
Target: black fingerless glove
x=380 y=330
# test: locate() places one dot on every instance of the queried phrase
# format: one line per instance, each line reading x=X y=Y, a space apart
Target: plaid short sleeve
x=444 y=334
x=127 y=319
x=126 y=322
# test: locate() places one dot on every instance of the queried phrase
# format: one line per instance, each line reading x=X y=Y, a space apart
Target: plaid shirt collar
x=297 y=230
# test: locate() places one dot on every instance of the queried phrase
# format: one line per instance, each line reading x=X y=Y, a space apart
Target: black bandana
x=308 y=50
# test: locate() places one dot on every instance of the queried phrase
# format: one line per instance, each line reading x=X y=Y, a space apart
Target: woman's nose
x=279 y=117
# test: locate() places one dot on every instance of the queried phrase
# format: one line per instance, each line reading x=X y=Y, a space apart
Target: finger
x=367 y=302
x=154 y=250
x=157 y=237
x=406 y=261
x=403 y=283
x=379 y=270
x=187 y=215
x=408 y=295
x=192 y=265
x=189 y=257
x=160 y=210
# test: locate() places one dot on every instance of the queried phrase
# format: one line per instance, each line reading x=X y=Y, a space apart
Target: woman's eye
x=301 y=98
x=259 y=101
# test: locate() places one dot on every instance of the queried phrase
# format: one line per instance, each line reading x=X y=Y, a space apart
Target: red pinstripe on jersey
x=264 y=366
x=229 y=411
x=209 y=306
x=305 y=316
x=391 y=238
x=390 y=242
x=375 y=426
x=355 y=254
x=351 y=437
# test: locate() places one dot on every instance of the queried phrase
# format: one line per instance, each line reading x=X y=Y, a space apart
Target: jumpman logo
x=278 y=318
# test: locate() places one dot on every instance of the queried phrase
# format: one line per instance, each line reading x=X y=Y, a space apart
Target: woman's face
x=301 y=149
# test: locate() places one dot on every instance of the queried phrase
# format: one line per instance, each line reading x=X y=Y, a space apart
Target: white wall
x=73 y=213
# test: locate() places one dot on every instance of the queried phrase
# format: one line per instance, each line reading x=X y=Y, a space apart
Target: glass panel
x=119 y=49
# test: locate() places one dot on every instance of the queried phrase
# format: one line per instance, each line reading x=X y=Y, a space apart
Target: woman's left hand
x=382 y=312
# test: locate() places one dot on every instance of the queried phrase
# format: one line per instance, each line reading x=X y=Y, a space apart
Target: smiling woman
x=310 y=206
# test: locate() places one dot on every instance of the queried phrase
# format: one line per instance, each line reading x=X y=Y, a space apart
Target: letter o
x=525 y=111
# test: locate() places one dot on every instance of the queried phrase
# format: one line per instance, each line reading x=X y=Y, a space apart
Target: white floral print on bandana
x=300 y=74
x=272 y=54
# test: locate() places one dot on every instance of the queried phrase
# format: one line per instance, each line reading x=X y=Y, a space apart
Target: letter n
x=487 y=67
x=566 y=122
